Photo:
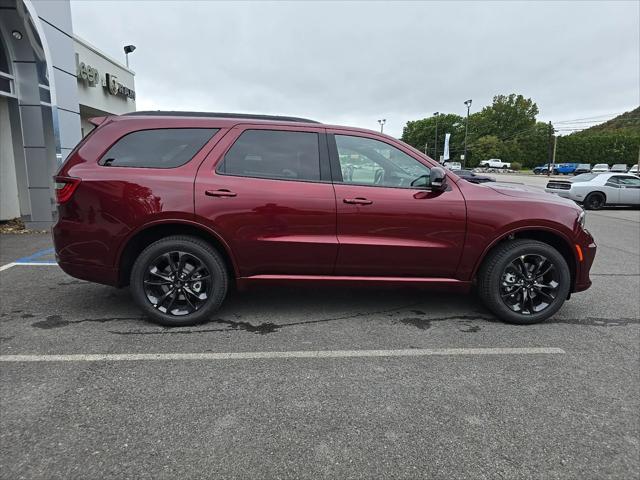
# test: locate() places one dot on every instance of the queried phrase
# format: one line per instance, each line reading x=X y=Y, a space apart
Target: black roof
x=249 y=116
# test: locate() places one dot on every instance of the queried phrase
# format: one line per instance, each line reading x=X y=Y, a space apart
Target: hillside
x=628 y=121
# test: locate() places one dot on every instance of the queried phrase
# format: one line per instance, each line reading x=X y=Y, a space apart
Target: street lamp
x=127 y=50
x=382 y=122
x=466 y=131
x=435 y=154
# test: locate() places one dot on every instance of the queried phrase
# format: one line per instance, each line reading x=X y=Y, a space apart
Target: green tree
x=485 y=148
x=507 y=117
x=419 y=133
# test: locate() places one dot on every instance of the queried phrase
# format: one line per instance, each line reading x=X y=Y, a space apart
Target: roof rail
x=251 y=116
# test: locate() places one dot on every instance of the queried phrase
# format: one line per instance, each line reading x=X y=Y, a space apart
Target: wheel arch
x=142 y=238
x=551 y=237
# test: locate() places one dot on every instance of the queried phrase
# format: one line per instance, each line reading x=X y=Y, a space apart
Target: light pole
x=466 y=131
x=435 y=153
x=127 y=50
x=382 y=122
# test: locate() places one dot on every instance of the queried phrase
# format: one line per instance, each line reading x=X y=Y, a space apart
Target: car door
x=387 y=226
x=612 y=190
x=266 y=190
x=629 y=190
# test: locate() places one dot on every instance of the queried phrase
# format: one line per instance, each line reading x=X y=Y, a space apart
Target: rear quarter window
x=159 y=148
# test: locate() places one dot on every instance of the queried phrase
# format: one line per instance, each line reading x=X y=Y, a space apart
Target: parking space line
x=26 y=264
x=208 y=356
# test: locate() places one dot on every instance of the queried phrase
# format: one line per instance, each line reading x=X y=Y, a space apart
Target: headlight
x=582 y=219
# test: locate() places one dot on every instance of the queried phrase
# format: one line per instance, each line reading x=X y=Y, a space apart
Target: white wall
x=9 y=205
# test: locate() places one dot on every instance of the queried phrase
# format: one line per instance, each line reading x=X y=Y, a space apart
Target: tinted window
x=274 y=154
x=364 y=161
x=584 y=177
x=630 y=181
x=164 y=148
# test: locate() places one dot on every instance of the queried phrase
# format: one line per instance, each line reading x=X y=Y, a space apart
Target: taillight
x=65 y=187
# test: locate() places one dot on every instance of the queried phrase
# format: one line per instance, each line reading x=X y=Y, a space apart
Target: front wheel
x=524 y=281
x=179 y=281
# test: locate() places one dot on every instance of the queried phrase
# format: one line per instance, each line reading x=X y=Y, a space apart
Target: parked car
x=600 y=168
x=181 y=206
x=542 y=169
x=633 y=170
x=453 y=165
x=473 y=177
x=619 y=168
x=595 y=191
x=495 y=163
x=565 y=168
x=582 y=168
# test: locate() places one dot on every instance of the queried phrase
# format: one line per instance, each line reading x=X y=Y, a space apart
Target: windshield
x=585 y=177
x=601 y=165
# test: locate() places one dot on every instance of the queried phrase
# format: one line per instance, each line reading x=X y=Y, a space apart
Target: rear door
x=388 y=223
x=266 y=191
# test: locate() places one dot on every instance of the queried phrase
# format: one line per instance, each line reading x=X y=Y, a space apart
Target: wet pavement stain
x=466 y=328
x=56 y=321
x=27 y=315
x=421 y=323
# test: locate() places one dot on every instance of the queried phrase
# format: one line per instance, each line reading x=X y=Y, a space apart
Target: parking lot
x=320 y=383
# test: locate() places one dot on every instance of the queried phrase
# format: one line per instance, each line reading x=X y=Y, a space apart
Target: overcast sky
x=355 y=62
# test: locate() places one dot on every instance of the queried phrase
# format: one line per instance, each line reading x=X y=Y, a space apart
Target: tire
x=198 y=259
x=496 y=270
x=594 y=201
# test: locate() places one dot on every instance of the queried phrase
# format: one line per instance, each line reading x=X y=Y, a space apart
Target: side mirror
x=438 y=179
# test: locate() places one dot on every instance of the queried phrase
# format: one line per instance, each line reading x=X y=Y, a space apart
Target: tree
x=506 y=117
x=485 y=148
x=419 y=133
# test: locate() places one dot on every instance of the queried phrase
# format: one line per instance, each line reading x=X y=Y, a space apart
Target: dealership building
x=51 y=83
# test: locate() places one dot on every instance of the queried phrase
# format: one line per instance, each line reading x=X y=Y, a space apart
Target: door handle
x=358 y=201
x=223 y=192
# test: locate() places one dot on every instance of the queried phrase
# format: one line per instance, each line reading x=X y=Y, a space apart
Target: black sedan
x=472 y=177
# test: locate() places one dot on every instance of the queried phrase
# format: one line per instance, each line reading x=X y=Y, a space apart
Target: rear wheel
x=594 y=201
x=524 y=281
x=179 y=281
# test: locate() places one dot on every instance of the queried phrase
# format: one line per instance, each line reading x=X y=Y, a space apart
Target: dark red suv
x=180 y=206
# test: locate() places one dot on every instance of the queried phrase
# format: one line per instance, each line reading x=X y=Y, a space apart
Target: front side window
x=629 y=181
x=162 y=148
x=364 y=161
x=274 y=154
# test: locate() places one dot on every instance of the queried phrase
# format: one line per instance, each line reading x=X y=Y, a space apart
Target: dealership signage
x=91 y=77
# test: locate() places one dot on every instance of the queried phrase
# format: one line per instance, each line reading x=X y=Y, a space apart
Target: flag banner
x=446 y=147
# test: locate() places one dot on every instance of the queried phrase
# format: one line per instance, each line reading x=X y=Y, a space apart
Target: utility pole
x=466 y=131
x=425 y=148
x=435 y=154
x=549 y=150
x=382 y=122
x=555 y=144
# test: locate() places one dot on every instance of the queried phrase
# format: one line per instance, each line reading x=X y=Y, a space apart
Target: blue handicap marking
x=39 y=257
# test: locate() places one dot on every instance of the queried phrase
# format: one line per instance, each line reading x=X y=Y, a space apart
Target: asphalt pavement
x=415 y=384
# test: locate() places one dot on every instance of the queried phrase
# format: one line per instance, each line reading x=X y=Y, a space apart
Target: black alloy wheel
x=524 y=281
x=179 y=281
x=529 y=284
x=594 y=201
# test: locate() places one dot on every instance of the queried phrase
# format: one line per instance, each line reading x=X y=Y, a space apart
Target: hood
x=524 y=191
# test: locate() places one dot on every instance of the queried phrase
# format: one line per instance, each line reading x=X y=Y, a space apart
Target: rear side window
x=274 y=154
x=162 y=148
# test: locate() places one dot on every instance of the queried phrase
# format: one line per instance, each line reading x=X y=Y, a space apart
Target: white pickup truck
x=495 y=163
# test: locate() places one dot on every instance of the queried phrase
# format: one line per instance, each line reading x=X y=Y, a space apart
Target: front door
x=389 y=224
x=267 y=192
x=629 y=190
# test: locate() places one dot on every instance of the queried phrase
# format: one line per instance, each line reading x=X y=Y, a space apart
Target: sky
x=352 y=63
